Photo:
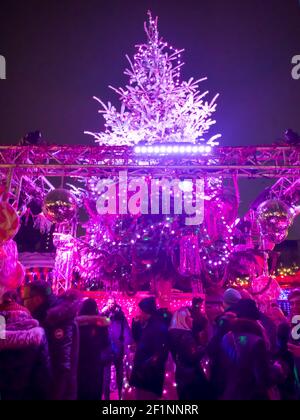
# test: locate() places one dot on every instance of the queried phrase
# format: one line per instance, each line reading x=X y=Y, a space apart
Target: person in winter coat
x=187 y=354
x=214 y=352
x=120 y=336
x=151 y=332
x=57 y=316
x=24 y=357
x=290 y=350
x=94 y=346
x=246 y=366
x=213 y=309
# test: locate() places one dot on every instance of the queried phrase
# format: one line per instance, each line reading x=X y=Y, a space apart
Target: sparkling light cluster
x=287 y=271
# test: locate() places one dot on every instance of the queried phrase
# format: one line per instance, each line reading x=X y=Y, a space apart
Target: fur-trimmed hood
x=21 y=330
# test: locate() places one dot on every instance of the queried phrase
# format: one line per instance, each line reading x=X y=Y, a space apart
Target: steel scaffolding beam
x=85 y=161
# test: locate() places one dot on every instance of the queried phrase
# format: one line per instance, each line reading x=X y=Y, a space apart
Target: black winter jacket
x=151 y=354
x=24 y=359
x=58 y=320
x=190 y=379
x=246 y=365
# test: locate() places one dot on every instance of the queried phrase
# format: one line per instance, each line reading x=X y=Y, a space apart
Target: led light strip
x=172 y=149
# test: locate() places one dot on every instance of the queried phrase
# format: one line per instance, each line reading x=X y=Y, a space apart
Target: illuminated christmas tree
x=156 y=106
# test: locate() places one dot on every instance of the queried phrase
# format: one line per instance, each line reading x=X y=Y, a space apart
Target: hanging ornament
x=9 y=222
x=274 y=216
x=59 y=206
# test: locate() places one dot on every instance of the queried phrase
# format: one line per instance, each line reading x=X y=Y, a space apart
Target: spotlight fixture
x=291 y=137
x=167 y=149
x=33 y=138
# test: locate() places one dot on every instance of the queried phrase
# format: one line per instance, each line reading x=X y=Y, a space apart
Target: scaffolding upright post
x=64 y=241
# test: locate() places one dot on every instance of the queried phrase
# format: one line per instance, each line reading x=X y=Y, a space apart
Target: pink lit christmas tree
x=156 y=106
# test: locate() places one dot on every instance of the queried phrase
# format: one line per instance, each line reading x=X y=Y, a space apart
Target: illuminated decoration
x=288 y=277
x=284 y=295
x=168 y=149
x=240 y=282
x=283 y=272
x=157 y=108
x=59 y=206
x=274 y=219
x=64 y=259
x=9 y=222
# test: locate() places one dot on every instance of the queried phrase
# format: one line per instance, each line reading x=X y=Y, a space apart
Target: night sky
x=60 y=53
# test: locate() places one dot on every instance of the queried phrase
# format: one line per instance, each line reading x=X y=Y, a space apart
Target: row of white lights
x=172 y=149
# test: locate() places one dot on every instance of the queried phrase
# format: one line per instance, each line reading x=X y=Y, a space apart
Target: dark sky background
x=60 y=53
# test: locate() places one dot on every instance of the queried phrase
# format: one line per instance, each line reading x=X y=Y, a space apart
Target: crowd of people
x=224 y=348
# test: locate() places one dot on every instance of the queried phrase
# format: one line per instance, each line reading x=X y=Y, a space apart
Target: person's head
x=231 y=298
x=197 y=303
x=213 y=306
x=294 y=301
x=147 y=308
x=35 y=295
x=182 y=320
x=89 y=307
x=10 y=297
x=275 y=313
x=111 y=303
x=247 y=309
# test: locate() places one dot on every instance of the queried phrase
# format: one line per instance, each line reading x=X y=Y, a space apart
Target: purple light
x=176 y=148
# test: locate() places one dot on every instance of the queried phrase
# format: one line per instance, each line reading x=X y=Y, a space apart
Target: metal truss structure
x=26 y=172
x=85 y=161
